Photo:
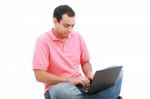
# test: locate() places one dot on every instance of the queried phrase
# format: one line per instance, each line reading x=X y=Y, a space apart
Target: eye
x=68 y=25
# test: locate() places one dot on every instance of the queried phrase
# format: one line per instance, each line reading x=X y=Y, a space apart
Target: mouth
x=67 y=33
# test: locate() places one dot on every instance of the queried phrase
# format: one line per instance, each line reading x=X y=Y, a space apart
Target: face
x=63 y=28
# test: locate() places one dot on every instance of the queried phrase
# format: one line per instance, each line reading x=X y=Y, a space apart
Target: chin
x=66 y=36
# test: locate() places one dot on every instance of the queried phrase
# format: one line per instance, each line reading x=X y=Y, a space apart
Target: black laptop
x=103 y=79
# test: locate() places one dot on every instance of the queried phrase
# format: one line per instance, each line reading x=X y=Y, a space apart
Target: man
x=58 y=55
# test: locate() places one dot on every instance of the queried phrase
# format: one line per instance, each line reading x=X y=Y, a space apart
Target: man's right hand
x=85 y=82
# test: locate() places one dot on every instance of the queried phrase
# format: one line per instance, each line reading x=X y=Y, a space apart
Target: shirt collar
x=53 y=37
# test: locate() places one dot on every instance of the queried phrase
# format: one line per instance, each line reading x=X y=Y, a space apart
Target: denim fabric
x=47 y=96
x=70 y=91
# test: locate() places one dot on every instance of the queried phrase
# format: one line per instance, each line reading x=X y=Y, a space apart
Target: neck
x=58 y=36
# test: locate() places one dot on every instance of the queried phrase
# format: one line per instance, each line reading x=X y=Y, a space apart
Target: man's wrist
x=89 y=73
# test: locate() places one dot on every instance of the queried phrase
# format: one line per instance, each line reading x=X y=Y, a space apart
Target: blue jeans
x=70 y=91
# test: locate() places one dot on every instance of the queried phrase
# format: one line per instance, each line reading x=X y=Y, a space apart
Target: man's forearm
x=49 y=78
x=86 y=67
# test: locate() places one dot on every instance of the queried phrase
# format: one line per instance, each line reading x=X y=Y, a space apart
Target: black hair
x=61 y=10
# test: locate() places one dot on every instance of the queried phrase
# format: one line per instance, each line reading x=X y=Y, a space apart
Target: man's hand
x=85 y=82
x=90 y=75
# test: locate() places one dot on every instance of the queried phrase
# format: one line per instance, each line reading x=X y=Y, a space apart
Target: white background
x=116 y=33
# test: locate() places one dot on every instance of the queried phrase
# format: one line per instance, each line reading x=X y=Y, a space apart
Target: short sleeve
x=84 y=56
x=41 y=54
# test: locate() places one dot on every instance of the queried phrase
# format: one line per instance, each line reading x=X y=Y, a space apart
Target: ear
x=54 y=20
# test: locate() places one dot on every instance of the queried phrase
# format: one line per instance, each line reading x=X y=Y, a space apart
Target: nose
x=70 y=29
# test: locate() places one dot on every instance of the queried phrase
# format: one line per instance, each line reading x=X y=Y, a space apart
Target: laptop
x=103 y=79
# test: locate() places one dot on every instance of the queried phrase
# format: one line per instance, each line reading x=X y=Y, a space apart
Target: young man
x=58 y=55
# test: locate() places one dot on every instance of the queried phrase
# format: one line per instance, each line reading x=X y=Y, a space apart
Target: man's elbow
x=38 y=75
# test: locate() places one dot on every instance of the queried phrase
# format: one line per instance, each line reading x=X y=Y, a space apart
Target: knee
x=119 y=80
x=120 y=77
x=62 y=90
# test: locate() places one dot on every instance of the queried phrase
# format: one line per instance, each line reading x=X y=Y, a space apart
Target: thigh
x=47 y=96
x=66 y=91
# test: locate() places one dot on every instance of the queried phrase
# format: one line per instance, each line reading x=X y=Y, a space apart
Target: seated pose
x=57 y=58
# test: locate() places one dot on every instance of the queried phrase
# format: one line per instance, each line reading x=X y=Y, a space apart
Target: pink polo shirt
x=62 y=58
